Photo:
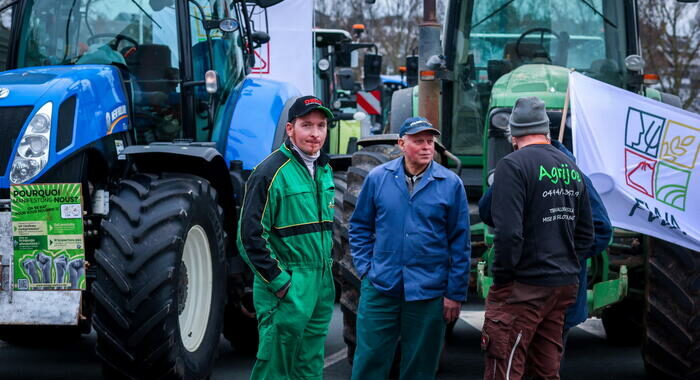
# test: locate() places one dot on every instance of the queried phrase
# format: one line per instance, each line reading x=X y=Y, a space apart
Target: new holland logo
x=4 y=92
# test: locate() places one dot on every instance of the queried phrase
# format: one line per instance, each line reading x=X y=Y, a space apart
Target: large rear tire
x=671 y=346
x=363 y=162
x=160 y=286
x=340 y=231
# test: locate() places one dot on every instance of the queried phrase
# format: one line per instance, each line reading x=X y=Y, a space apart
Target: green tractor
x=494 y=52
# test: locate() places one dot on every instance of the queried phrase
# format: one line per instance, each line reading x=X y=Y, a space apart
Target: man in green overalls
x=285 y=236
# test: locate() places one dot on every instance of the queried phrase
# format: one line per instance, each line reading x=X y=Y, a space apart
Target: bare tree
x=670 y=46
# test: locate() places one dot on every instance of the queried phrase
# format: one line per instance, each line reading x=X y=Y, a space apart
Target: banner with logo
x=47 y=234
x=288 y=57
x=642 y=157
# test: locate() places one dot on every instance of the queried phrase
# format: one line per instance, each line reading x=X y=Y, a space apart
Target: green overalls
x=285 y=235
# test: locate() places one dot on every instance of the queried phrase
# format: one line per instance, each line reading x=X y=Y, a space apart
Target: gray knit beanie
x=528 y=117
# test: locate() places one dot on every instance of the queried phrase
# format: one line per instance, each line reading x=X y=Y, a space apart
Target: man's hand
x=450 y=310
x=283 y=292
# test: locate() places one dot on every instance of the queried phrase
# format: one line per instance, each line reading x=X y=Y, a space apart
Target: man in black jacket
x=543 y=226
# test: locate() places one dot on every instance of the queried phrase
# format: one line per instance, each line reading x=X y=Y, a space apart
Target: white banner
x=288 y=57
x=642 y=157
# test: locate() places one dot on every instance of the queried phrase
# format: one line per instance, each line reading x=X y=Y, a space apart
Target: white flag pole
x=565 y=111
x=562 y=125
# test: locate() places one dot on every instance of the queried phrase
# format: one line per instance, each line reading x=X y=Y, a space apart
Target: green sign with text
x=47 y=233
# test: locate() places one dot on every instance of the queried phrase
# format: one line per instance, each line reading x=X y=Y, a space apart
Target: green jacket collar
x=286 y=148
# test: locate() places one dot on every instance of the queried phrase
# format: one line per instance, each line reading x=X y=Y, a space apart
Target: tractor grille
x=11 y=121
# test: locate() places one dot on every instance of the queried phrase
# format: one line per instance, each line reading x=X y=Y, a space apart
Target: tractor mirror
x=373 y=70
x=346 y=79
x=211 y=81
x=412 y=70
x=634 y=63
x=260 y=38
x=267 y=3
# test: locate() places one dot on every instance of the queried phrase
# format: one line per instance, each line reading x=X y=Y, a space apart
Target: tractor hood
x=28 y=86
x=544 y=81
x=87 y=102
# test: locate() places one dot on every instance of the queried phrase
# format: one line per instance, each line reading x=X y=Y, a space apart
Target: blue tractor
x=147 y=103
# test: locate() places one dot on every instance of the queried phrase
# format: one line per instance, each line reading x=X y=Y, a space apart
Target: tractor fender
x=201 y=159
x=251 y=135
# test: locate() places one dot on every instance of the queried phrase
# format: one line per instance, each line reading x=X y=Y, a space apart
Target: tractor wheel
x=340 y=231
x=363 y=162
x=623 y=322
x=671 y=346
x=160 y=286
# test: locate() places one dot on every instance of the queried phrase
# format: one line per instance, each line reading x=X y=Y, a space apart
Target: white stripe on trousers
x=512 y=354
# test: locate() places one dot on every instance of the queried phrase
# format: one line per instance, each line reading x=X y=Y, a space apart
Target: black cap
x=305 y=104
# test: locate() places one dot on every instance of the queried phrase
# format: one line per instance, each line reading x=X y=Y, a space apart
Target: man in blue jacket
x=409 y=239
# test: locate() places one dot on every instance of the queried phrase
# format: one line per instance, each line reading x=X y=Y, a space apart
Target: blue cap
x=415 y=125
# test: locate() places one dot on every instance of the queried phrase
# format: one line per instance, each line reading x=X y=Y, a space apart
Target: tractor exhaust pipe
x=429 y=45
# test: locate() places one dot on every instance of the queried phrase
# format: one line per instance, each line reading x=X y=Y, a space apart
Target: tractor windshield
x=495 y=37
x=143 y=38
x=139 y=36
x=65 y=32
x=588 y=35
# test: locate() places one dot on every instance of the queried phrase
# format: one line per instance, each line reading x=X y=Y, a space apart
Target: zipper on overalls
x=319 y=203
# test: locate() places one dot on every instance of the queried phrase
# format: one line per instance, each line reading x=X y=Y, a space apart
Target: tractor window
x=138 y=36
x=227 y=52
x=588 y=35
x=495 y=37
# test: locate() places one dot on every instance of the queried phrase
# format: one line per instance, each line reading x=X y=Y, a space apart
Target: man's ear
x=289 y=127
x=401 y=143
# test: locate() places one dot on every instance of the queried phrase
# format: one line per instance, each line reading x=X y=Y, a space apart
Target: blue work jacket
x=415 y=245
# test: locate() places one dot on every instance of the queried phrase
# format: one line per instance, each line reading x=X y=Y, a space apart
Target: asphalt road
x=588 y=356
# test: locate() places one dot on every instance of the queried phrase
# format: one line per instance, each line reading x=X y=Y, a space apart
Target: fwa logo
x=660 y=156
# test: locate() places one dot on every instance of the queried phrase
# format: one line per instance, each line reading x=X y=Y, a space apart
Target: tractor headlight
x=323 y=64
x=40 y=123
x=33 y=150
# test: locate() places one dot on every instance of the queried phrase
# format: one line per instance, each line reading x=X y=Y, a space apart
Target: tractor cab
x=336 y=59
x=162 y=49
x=503 y=50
